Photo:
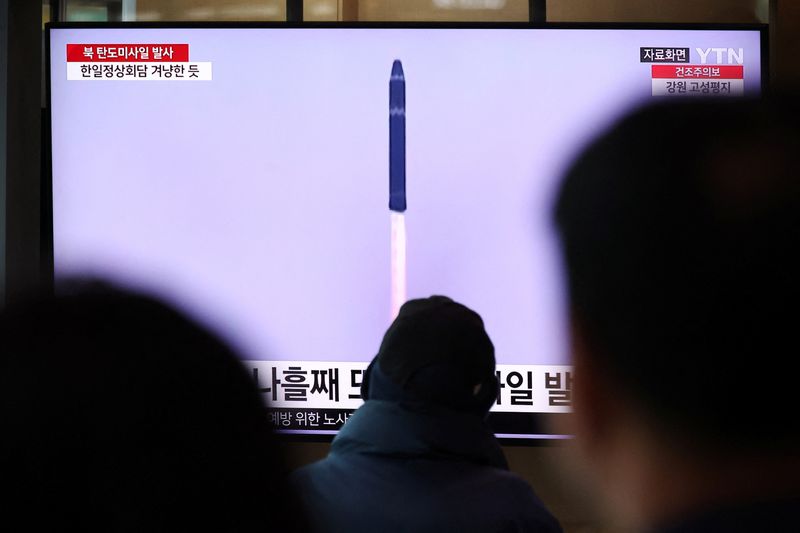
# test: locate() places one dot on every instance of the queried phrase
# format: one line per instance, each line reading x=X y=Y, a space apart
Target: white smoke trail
x=398 y=261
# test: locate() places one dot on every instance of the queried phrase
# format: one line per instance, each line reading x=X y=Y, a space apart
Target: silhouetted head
x=435 y=352
x=119 y=414
x=680 y=229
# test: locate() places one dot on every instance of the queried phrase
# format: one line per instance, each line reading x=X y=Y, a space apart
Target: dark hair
x=680 y=228
x=119 y=414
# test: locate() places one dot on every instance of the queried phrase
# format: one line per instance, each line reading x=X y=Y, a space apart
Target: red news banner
x=134 y=62
x=693 y=80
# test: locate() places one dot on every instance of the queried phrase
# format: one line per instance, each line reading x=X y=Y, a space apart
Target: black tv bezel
x=48 y=266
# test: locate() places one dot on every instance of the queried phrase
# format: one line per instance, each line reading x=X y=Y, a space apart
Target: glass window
x=418 y=10
x=313 y=10
x=443 y=10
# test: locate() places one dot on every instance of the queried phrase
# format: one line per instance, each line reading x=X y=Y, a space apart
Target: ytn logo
x=735 y=56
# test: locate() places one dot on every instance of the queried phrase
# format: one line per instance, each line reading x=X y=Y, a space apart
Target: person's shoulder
x=532 y=515
x=328 y=473
x=509 y=482
x=303 y=479
x=303 y=472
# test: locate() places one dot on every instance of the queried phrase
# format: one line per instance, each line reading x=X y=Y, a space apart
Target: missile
x=397 y=138
x=397 y=185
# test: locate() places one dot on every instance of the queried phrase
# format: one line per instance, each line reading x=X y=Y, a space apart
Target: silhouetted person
x=418 y=455
x=681 y=228
x=120 y=415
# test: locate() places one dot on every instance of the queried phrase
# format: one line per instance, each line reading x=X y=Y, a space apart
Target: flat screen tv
x=290 y=186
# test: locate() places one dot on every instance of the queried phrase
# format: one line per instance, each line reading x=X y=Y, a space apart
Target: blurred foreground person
x=418 y=455
x=681 y=230
x=120 y=415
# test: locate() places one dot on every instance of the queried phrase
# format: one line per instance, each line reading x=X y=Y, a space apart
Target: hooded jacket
x=398 y=467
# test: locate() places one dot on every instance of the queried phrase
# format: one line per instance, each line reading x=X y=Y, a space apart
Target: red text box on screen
x=117 y=53
x=726 y=72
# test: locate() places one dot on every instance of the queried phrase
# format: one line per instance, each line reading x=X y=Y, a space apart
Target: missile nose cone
x=397 y=70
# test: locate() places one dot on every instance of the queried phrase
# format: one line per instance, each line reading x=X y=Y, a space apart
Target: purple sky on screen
x=258 y=201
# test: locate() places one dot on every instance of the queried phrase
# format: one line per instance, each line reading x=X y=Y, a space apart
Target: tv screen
x=291 y=186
